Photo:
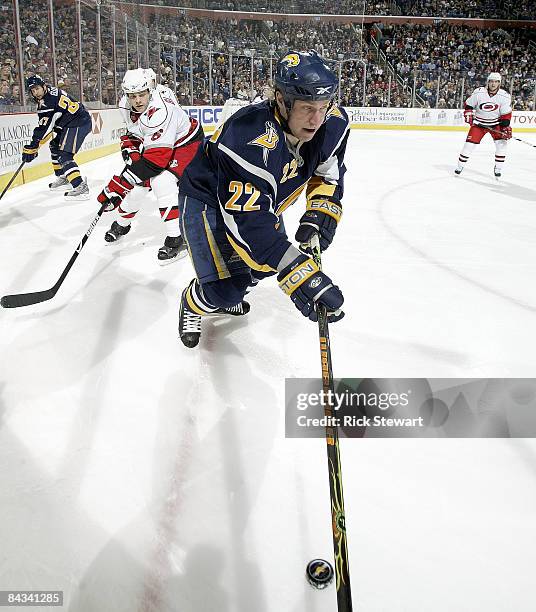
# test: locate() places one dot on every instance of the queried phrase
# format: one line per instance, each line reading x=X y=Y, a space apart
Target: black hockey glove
x=321 y=217
x=307 y=285
x=29 y=153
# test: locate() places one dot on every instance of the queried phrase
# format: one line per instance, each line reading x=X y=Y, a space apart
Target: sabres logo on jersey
x=291 y=60
x=268 y=141
x=334 y=111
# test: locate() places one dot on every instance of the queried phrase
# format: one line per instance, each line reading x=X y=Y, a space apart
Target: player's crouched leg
x=224 y=276
x=214 y=298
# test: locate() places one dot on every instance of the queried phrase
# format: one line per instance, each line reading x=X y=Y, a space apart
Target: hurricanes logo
x=489 y=106
x=291 y=60
x=268 y=141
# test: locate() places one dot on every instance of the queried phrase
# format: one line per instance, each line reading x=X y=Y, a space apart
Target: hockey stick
x=338 y=521
x=41 y=142
x=12 y=179
x=513 y=137
x=27 y=299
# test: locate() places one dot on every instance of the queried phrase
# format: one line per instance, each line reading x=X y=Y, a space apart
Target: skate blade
x=166 y=262
x=80 y=198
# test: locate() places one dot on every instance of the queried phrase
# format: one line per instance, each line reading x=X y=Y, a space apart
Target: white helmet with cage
x=136 y=81
x=151 y=76
x=494 y=76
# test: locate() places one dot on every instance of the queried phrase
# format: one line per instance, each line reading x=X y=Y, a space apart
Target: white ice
x=140 y=476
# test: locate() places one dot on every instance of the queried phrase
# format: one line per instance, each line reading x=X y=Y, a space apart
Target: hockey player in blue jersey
x=248 y=172
x=58 y=112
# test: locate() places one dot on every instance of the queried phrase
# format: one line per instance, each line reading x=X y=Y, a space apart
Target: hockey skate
x=190 y=321
x=497 y=172
x=174 y=248
x=116 y=232
x=78 y=193
x=60 y=183
x=458 y=170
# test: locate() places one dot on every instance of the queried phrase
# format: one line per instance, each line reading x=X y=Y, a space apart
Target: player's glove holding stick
x=506 y=132
x=114 y=193
x=307 y=286
x=322 y=218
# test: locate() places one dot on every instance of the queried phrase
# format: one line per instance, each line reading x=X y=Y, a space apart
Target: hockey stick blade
x=27 y=299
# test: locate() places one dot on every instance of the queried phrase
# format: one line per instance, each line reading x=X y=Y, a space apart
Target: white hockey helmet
x=136 y=81
x=151 y=76
x=494 y=76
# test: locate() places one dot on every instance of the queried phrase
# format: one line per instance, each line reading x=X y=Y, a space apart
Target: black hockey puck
x=319 y=573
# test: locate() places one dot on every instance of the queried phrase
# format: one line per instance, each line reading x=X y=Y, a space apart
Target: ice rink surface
x=140 y=476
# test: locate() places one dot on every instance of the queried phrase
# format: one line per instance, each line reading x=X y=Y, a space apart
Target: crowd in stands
x=319 y=7
x=430 y=65
x=423 y=55
x=478 y=9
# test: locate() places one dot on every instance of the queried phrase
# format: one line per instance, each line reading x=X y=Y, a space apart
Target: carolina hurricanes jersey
x=125 y=108
x=489 y=108
x=162 y=124
x=163 y=127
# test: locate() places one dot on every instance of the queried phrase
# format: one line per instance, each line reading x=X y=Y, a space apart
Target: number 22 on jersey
x=290 y=171
x=237 y=188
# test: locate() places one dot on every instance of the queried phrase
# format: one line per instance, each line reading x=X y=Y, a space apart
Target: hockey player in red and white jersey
x=161 y=140
x=488 y=110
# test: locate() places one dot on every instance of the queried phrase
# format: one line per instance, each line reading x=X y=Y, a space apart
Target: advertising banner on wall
x=426 y=118
x=16 y=131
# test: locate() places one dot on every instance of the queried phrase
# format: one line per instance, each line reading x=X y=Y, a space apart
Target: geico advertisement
x=208 y=116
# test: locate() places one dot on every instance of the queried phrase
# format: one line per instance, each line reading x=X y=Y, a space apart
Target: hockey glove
x=468 y=115
x=506 y=132
x=114 y=193
x=321 y=217
x=307 y=286
x=130 y=148
x=29 y=153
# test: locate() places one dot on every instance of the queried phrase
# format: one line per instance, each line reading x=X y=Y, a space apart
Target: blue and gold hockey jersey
x=249 y=171
x=57 y=109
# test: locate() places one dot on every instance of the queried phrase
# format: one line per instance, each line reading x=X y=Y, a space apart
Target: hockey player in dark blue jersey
x=60 y=113
x=248 y=172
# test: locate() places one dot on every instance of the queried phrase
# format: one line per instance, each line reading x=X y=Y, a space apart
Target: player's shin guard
x=500 y=156
x=174 y=247
x=464 y=156
x=72 y=173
